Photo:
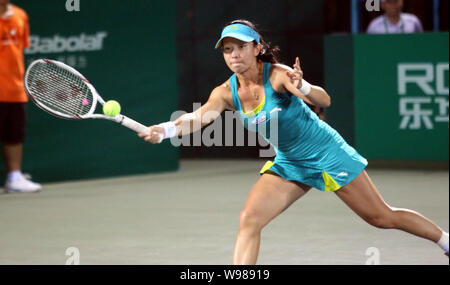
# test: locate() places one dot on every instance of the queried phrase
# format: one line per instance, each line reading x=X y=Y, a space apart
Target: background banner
x=128 y=53
x=400 y=94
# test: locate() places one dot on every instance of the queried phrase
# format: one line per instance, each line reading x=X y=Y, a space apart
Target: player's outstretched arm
x=190 y=122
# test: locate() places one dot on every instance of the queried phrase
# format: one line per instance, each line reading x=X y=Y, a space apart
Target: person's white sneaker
x=22 y=185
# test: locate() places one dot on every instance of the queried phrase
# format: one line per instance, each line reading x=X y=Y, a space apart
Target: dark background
x=296 y=26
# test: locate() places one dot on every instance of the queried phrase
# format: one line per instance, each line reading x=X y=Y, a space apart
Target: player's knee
x=250 y=220
x=382 y=221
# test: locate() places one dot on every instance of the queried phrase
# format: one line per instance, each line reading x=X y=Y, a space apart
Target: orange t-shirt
x=14 y=38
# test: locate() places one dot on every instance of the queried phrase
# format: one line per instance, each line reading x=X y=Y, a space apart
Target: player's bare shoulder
x=280 y=69
x=223 y=92
x=278 y=76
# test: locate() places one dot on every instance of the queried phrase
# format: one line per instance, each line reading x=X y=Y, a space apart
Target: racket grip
x=132 y=124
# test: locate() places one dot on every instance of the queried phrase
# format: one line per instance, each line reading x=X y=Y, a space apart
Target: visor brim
x=241 y=37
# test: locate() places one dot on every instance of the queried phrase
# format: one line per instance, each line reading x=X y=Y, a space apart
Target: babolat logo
x=58 y=44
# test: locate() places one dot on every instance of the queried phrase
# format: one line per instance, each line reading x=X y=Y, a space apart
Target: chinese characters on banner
x=429 y=107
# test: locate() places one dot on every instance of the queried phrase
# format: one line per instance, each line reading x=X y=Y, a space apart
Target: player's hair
x=268 y=52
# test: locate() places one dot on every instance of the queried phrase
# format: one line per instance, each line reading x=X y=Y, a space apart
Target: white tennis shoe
x=22 y=185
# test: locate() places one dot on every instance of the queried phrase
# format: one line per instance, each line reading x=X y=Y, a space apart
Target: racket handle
x=135 y=126
x=132 y=124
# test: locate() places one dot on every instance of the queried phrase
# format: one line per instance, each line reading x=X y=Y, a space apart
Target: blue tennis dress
x=307 y=149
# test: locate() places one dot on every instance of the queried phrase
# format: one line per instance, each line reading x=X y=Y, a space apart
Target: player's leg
x=363 y=198
x=269 y=197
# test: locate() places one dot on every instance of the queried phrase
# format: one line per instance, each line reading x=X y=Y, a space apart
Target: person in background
x=14 y=38
x=393 y=21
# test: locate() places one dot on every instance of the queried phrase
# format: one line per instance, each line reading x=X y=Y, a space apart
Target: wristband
x=170 y=130
x=306 y=87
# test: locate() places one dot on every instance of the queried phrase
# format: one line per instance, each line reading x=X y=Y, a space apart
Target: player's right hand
x=155 y=134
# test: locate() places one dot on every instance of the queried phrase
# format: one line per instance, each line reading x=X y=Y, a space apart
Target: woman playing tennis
x=309 y=153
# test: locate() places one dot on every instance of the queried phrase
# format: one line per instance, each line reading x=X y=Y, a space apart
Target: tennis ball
x=111 y=108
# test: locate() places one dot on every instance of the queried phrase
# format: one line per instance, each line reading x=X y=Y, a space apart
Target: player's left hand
x=297 y=75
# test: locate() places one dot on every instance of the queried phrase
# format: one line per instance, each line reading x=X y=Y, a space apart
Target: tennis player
x=309 y=153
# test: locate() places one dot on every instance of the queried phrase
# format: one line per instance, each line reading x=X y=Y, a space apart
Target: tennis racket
x=64 y=92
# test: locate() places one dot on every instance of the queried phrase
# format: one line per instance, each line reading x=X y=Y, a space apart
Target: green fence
x=391 y=93
x=127 y=50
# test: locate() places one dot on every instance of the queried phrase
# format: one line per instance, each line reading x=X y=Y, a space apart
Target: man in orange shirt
x=14 y=34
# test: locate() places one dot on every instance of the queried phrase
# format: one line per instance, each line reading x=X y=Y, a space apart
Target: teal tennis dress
x=307 y=149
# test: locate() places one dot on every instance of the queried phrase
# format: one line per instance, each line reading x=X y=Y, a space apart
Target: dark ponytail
x=268 y=53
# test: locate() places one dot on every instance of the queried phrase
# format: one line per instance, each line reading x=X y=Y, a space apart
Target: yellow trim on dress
x=257 y=109
x=266 y=166
x=329 y=183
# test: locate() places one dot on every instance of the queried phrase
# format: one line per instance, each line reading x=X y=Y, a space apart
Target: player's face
x=239 y=55
x=392 y=7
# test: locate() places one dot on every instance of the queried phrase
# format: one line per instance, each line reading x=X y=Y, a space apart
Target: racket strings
x=59 y=89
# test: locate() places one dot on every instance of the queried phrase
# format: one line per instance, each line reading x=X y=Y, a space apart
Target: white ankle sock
x=14 y=175
x=443 y=242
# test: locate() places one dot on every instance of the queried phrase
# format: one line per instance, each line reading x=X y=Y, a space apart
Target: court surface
x=191 y=217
